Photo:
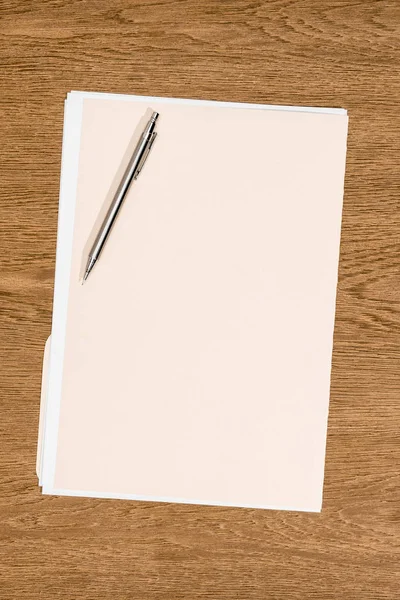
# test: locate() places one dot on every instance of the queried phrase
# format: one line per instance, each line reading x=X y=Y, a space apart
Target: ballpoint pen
x=132 y=171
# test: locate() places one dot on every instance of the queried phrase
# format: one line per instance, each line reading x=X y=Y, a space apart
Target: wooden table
x=321 y=53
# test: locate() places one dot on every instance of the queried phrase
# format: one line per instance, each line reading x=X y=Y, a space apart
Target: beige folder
x=194 y=364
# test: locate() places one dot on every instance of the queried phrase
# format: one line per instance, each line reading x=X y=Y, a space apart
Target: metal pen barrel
x=131 y=172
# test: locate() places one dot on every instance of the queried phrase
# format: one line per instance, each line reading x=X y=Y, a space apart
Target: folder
x=194 y=364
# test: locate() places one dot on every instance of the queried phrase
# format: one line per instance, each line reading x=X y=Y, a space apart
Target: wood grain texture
x=313 y=52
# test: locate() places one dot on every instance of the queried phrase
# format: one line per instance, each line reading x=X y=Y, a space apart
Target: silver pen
x=132 y=171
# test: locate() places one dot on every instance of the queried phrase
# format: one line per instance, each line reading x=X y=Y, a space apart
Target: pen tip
x=89 y=267
x=155 y=116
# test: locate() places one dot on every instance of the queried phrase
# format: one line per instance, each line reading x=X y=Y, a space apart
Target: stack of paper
x=194 y=364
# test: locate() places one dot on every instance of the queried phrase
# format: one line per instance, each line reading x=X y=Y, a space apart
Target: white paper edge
x=68 y=185
x=110 y=496
x=42 y=413
x=195 y=102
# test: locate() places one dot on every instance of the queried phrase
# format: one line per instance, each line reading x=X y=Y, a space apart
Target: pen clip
x=145 y=154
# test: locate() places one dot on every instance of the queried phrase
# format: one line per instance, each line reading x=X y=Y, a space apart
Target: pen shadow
x=113 y=188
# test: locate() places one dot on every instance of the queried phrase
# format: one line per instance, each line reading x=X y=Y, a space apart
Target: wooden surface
x=321 y=53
